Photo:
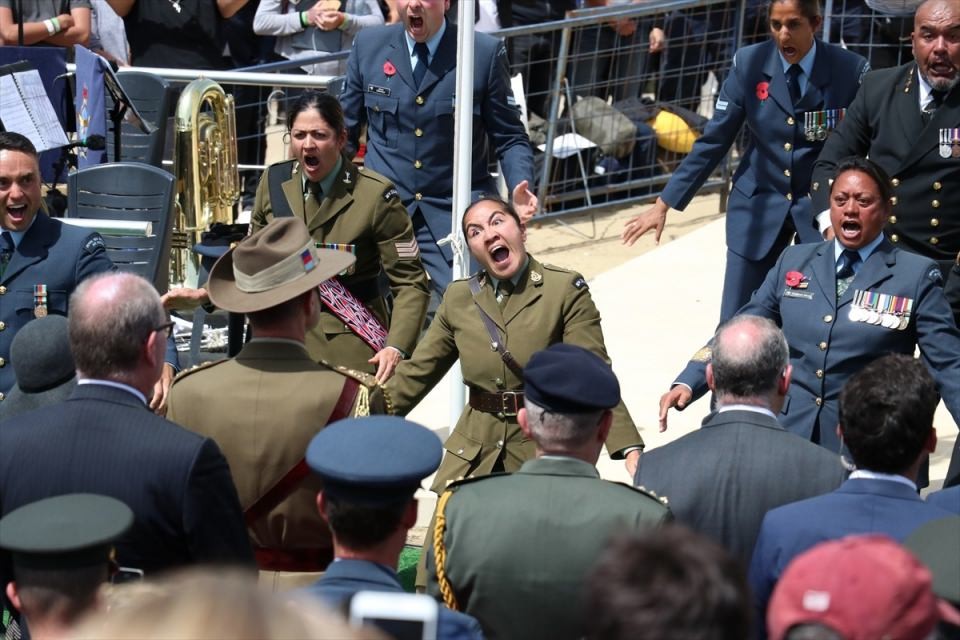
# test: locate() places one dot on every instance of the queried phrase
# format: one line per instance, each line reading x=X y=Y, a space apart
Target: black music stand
x=122 y=104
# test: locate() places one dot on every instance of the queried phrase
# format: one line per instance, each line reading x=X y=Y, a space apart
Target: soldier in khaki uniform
x=513 y=550
x=360 y=211
x=539 y=305
x=264 y=406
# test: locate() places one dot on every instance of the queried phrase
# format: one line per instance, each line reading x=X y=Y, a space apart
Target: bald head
x=749 y=361
x=936 y=45
x=112 y=316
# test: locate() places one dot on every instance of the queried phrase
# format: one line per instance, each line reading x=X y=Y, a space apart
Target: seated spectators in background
x=61 y=552
x=263 y=407
x=886 y=419
x=723 y=478
x=108 y=36
x=203 y=605
x=43 y=364
x=370 y=468
x=857 y=588
x=47 y=23
x=513 y=549
x=104 y=440
x=309 y=28
x=668 y=583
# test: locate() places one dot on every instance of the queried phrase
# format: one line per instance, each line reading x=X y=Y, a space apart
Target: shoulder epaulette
x=650 y=493
x=455 y=484
x=362 y=377
x=198 y=367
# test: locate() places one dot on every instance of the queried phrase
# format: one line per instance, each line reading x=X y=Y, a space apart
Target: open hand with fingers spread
x=653 y=218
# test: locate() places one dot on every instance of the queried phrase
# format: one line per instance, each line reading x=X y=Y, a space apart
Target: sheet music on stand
x=26 y=109
x=127 y=109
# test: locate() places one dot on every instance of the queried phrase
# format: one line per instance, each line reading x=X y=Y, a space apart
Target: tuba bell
x=205 y=168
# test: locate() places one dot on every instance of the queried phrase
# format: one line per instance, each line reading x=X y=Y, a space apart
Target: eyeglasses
x=166 y=328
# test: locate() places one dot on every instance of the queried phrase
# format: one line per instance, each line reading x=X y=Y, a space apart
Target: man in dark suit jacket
x=887 y=422
x=410 y=124
x=105 y=440
x=722 y=479
x=905 y=119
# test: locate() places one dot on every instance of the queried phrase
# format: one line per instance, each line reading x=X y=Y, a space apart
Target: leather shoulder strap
x=493 y=331
x=292 y=478
x=276 y=175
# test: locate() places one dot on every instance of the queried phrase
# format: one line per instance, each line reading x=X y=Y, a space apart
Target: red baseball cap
x=863 y=587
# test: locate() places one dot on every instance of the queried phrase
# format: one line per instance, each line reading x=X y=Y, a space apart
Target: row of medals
x=892 y=312
x=950 y=143
x=816 y=124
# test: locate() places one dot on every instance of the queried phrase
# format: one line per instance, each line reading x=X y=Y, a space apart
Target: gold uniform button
x=3 y=363
x=790 y=120
x=937 y=186
x=895 y=182
x=460 y=451
x=786 y=172
x=828 y=318
x=417 y=164
x=419 y=99
x=823 y=346
x=376 y=108
x=787 y=146
x=789 y=196
x=819 y=373
x=3 y=325
x=894 y=238
x=418 y=132
x=3 y=289
x=499 y=382
x=934 y=240
x=816 y=186
x=2 y=397
x=499 y=444
x=935 y=204
x=893 y=200
x=934 y=222
x=892 y=220
x=819 y=401
x=418 y=196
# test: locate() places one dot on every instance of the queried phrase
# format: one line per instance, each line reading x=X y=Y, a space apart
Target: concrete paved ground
x=658 y=305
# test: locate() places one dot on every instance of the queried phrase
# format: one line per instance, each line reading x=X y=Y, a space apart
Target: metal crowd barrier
x=591 y=157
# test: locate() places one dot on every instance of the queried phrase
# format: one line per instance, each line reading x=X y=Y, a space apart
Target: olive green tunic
x=361 y=209
x=548 y=305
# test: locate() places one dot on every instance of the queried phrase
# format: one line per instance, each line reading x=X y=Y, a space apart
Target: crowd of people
x=795 y=512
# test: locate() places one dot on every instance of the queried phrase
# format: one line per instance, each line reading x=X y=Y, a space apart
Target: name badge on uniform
x=950 y=143
x=817 y=124
x=39 y=300
x=383 y=91
x=337 y=246
x=881 y=309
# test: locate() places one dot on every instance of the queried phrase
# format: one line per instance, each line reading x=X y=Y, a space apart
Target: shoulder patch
x=580 y=283
x=197 y=368
x=935 y=275
x=702 y=355
x=453 y=485
x=94 y=244
x=390 y=194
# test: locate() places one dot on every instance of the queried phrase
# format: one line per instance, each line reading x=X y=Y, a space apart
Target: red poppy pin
x=796 y=280
x=388 y=68
x=763 y=90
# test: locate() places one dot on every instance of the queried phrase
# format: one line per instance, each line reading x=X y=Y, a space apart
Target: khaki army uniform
x=516 y=548
x=549 y=305
x=262 y=408
x=363 y=210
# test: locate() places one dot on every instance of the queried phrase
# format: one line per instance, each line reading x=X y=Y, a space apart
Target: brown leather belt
x=293 y=559
x=507 y=403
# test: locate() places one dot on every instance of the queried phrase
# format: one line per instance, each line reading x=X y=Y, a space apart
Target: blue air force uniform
x=49 y=253
x=831 y=339
x=410 y=130
x=769 y=196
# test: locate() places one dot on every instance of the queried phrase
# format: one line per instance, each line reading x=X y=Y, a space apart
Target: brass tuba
x=205 y=168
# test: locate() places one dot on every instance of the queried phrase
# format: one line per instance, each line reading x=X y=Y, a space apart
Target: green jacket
x=519 y=546
x=549 y=305
x=363 y=210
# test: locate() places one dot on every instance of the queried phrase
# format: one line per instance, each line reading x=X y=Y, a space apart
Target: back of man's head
x=361 y=527
x=750 y=358
x=111 y=316
x=668 y=583
x=886 y=413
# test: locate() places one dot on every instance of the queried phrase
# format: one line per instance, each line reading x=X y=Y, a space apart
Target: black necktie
x=793 y=83
x=936 y=99
x=848 y=259
x=6 y=250
x=504 y=289
x=423 y=56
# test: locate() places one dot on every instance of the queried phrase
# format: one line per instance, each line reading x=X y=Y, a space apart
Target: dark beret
x=374 y=460
x=40 y=354
x=565 y=378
